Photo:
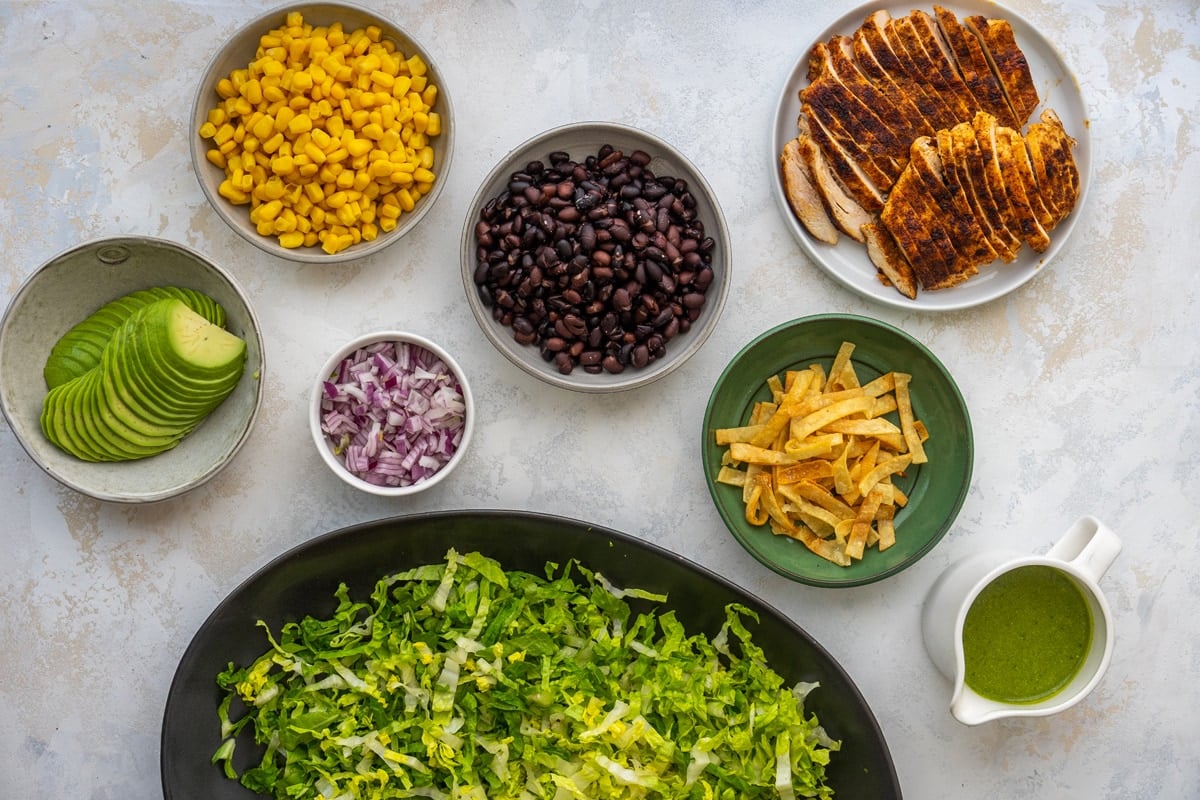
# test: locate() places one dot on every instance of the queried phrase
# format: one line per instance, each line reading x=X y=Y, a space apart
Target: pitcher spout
x=969 y=708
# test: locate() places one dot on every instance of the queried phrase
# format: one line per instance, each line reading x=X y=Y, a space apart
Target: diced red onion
x=394 y=413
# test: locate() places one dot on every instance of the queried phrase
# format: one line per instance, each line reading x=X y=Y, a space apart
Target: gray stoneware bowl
x=580 y=140
x=239 y=51
x=63 y=292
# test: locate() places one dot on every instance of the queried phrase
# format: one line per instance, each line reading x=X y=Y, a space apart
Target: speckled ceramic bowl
x=239 y=51
x=63 y=292
x=580 y=140
x=327 y=448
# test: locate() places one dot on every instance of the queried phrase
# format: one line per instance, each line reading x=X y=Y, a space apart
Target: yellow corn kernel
x=274 y=144
x=308 y=170
x=419 y=82
x=247 y=161
x=223 y=134
x=402 y=179
x=267 y=212
x=216 y=158
x=232 y=193
x=273 y=94
x=407 y=201
x=337 y=156
x=285 y=222
x=420 y=120
x=429 y=95
x=345 y=179
x=417 y=141
x=217 y=116
x=389 y=211
x=382 y=80
x=302 y=206
x=263 y=127
x=359 y=181
x=347 y=214
x=270 y=189
x=425 y=157
x=401 y=86
x=369 y=231
x=228 y=147
x=422 y=175
x=390 y=140
x=380 y=168
x=434 y=127
x=336 y=200
x=252 y=91
x=301 y=123
x=291 y=240
x=314 y=192
x=415 y=65
x=225 y=88
x=322 y=139
x=284 y=117
x=207 y=130
x=315 y=153
x=387 y=224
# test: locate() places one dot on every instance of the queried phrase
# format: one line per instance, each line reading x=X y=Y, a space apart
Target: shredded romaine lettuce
x=463 y=681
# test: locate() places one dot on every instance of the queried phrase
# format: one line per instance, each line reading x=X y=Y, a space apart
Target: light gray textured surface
x=1082 y=385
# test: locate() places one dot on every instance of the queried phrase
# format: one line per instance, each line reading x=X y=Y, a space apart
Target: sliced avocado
x=146 y=347
x=78 y=350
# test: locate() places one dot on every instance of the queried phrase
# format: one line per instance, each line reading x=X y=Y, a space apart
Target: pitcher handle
x=1089 y=545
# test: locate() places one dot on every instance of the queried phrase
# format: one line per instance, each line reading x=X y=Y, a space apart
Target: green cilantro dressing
x=1026 y=635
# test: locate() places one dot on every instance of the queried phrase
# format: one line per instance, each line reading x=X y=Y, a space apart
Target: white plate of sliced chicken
x=933 y=158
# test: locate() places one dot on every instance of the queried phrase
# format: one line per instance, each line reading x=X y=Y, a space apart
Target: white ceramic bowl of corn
x=322 y=132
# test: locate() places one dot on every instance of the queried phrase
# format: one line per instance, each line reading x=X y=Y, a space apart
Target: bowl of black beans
x=595 y=256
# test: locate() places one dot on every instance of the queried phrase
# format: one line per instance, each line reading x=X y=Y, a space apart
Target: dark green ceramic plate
x=935 y=490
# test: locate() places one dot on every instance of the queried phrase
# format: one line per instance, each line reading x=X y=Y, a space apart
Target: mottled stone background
x=1082 y=385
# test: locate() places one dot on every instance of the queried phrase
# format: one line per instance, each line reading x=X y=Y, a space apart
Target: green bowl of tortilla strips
x=838 y=449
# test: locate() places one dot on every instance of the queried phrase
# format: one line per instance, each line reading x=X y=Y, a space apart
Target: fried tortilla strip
x=841 y=362
x=907 y=421
x=884 y=469
x=825 y=548
x=814 y=446
x=731 y=476
x=859 y=531
x=818 y=494
x=810 y=470
x=818 y=419
x=886 y=526
x=745 y=433
x=783 y=415
x=764 y=456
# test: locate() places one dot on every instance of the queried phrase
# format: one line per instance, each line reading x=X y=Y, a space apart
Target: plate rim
x=968 y=294
x=956 y=504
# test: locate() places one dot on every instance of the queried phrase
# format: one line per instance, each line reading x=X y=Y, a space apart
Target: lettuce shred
x=463 y=681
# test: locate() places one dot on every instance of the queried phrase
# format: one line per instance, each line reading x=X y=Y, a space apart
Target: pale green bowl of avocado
x=67 y=290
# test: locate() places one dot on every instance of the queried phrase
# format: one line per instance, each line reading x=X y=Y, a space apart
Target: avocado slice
x=78 y=350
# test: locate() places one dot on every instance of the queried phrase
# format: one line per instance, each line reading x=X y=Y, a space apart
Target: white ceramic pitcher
x=1084 y=553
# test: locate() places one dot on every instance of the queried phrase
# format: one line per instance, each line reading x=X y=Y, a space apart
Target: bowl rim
x=255 y=329
x=322 y=444
x=717 y=228
x=312 y=255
